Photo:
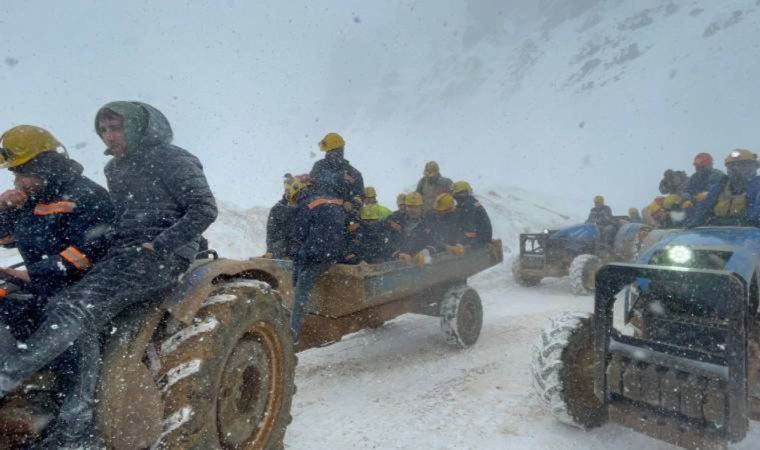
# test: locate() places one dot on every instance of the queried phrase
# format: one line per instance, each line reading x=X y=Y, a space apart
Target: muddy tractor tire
x=227 y=380
x=521 y=278
x=583 y=274
x=562 y=370
x=461 y=316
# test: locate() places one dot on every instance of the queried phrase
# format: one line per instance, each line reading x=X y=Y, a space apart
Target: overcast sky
x=251 y=86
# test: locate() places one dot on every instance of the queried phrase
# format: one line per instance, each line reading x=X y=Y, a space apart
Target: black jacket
x=475 y=223
x=701 y=181
x=319 y=230
x=62 y=231
x=412 y=237
x=369 y=242
x=336 y=177
x=600 y=215
x=279 y=223
x=446 y=228
x=159 y=190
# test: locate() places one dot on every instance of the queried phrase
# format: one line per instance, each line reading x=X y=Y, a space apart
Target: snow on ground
x=402 y=387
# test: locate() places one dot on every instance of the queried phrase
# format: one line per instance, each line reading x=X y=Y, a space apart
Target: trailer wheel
x=228 y=379
x=521 y=278
x=583 y=274
x=562 y=369
x=461 y=316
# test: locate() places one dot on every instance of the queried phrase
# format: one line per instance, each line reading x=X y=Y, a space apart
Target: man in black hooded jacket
x=163 y=204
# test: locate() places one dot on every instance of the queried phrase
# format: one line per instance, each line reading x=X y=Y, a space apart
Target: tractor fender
x=200 y=280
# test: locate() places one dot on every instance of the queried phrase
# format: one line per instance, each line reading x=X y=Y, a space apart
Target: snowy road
x=402 y=387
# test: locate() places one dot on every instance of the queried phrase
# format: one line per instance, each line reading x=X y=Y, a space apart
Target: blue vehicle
x=682 y=363
x=577 y=251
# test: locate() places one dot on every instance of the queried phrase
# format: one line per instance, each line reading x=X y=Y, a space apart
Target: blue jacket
x=62 y=231
x=704 y=210
x=319 y=230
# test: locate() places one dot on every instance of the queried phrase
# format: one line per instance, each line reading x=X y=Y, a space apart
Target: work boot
x=60 y=439
x=76 y=418
x=8 y=347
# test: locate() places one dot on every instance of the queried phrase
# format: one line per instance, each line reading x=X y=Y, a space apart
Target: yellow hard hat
x=671 y=201
x=21 y=144
x=461 y=186
x=598 y=199
x=431 y=168
x=741 y=155
x=370 y=212
x=331 y=141
x=370 y=192
x=298 y=184
x=413 y=199
x=444 y=202
x=400 y=199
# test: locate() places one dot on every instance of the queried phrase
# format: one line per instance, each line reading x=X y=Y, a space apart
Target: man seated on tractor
x=446 y=223
x=475 y=223
x=370 y=198
x=279 y=221
x=601 y=216
x=163 y=204
x=60 y=221
x=409 y=233
x=734 y=200
x=704 y=177
x=367 y=239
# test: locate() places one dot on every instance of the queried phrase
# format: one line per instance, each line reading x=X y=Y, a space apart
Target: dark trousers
x=76 y=316
x=304 y=278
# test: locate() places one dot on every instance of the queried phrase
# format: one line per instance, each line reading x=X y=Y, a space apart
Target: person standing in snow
x=163 y=203
x=432 y=184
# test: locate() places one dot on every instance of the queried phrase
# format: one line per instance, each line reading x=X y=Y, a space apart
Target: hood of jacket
x=144 y=126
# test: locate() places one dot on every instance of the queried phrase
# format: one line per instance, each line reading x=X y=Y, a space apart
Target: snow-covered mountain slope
x=578 y=97
x=584 y=97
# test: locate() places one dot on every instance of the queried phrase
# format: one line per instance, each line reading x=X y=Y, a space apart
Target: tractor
x=577 y=251
x=679 y=358
x=210 y=366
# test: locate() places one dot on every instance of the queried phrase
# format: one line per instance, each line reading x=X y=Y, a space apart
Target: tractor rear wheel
x=461 y=316
x=562 y=369
x=583 y=274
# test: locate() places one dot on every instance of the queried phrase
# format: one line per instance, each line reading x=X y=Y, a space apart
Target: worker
x=60 y=221
x=734 y=200
x=336 y=172
x=432 y=184
x=410 y=235
x=279 y=221
x=445 y=221
x=163 y=204
x=601 y=216
x=475 y=223
x=370 y=198
x=704 y=177
x=368 y=240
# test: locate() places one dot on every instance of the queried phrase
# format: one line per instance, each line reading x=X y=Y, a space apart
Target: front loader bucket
x=686 y=389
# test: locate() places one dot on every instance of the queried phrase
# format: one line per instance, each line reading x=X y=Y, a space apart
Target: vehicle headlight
x=680 y=254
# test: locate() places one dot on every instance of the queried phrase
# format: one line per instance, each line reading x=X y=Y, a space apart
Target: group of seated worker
x=329 y=217
x=707 y=197
x=375 y=234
